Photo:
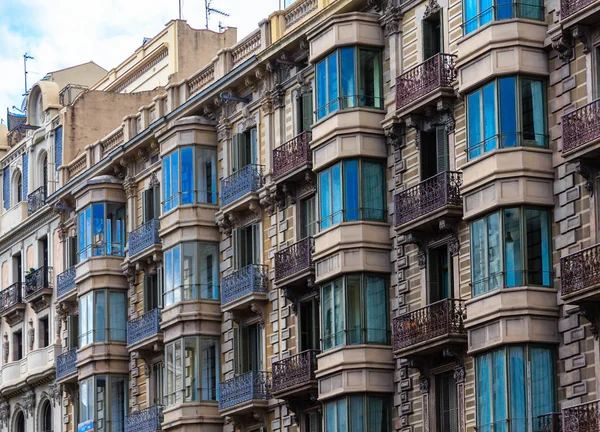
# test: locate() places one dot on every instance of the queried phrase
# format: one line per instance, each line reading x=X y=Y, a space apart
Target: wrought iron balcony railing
x=443 y=318
x=551 y=422
x=580 y=270
x=65 y=282
x=144 y=236
x=36 y=200
x=11 y=296
x=570 y=7
x=294 y=259
x=582 y=418
x=250 y=279
x=66 y=363
x=19 y=133
x=143 y=327
x=246 y=180
x=243 y=388
x=581 y=126
x=435 y=72
x=434 y=193
x=291 y=155
x=38 y=280
x=295 y=370
x=146 y=420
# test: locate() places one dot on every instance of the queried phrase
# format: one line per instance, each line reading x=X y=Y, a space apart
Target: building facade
x=363 y=216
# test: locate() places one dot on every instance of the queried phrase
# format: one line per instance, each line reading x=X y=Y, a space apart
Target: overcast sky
x=62 y=33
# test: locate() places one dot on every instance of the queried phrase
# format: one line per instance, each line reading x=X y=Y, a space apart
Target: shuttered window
x=305 y=111
x=6 y=188
x=58 y=147
x=447 y=402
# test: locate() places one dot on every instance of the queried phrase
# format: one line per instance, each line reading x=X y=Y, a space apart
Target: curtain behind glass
x=339 y=312
x=499 y=391
x=532 y=103
x=518 y=403
x=484 y=373
x=494 y=252
x=372 y=191
x=168 y=282
x=166 y=183
x=370 y=78
x=542 y=381
x=474 y=124
x=325 y=197
x=190 y=270
x=532 y=9
x=101 y=404
x=379 y=414
x=336 y=190
x=486 y=11
x=118 y=316
x=478 y=261
x=357 y=413
x=327 y=315
x=350 y=190
x=376 y=303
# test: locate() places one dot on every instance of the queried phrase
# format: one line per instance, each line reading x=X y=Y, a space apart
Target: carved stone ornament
x=459 y=374
x=591 y=312
x=223 y=130
x=225 y=225
x=446 y=227
x=422 y=254
x=31 y=334
x=391 y=18
x=249 y=120
x=563 y=45
x=5 y=348
x=582 y=34
x=584 y=170
x=415 y=122
x=130 y=274
x=29 y=403
x=396 y=135
x=154 y=182
x=424 y=384
x=4 y=414
x=432 y=8
x=54 y=393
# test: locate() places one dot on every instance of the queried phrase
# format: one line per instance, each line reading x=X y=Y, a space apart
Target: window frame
x=493 y=11
x=524 y=270
x=518 y=111
x=87 y=248
x=92 y=383
x=366 y=399
x=340 y=102
x=89 y=336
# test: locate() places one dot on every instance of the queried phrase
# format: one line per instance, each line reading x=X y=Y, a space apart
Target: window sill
x=466 y=37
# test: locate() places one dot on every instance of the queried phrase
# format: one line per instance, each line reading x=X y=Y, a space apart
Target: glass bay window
x=102 y=317
x=507 y=112
x=103 y=402
x=192 y=368
x=347 y=78
x=480 y=12
x=189 y=177
x=101 y=230
x=352 y=190
x=358 y=413
x=191 y=272
x=354 y=311
x=510 y=248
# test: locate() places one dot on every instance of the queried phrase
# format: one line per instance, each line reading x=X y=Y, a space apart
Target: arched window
x=46 y=418
x=17 y=188
x=44 y=165
x=20 y=422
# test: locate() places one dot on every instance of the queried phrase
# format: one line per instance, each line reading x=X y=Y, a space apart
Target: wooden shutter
x=71 y=249
x=427 y=39
x=150 y=293
x=72 y=330
x=235 y=150
x=236 y=248
x=155 y=201
x=159 y=287
x=237 y=352
x=433 y=275
x=441 y=139
x=147 y=205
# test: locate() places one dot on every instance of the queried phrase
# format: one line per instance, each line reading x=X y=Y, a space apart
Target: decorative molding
x=412 y=238
x=585 y=171
x=446 y=227
x=582 y=34
x=396 y=135
x=29 y=403
x=31 y=334
x=563 y=45
x=591 y=312
x=5 y=348
x=431 y=8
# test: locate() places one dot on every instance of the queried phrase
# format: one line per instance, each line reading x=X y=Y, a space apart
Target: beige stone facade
x=363 y=216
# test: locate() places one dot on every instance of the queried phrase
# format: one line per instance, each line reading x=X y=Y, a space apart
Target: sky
x=62 y=33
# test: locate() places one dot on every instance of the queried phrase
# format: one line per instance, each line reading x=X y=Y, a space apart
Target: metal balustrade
x=570 y=7
x=65 y=282
x=36 y=200
x=250 y=279
x=143 y=327
x=146 y=420
x=246 y=180
x=37 y=280
x=582 y=418
x=243 y=388
x=435 y=72
x=551 y=422
x=292 y=155
x=581 y=126
x=294 y=259
x=295 y=370
x=66 y=363
x=434 y=193
x=580 y=270
x=144 y=236
x=442 y=318
x=11 y=296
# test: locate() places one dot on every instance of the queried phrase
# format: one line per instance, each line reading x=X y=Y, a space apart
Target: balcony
x=295 y=376
x=292 y=159
x=424 y=84
x=66 y=366
x=146 y=420
x=429 y=329
x=12 y=307
x=293 y=264
x=581 y=133
x=65 y=283
x=243 y=287
x=19 y=133
x=245 y=393
x=36 y=200
x=582 y=418
x=420 y=207
x=243 y=182
x=579 y=12
x=580 y=276
x=144 y=333
x=144 y=236
x=37 y=289
x=36 y=366
x=549 y=423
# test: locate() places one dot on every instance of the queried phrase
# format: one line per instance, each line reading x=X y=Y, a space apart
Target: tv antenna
x=26 y=57
x=209 y=10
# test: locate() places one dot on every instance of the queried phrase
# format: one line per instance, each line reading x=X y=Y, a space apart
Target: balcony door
x=43 y=252
x=244 y=149
x=439 y=273
x=152 y=294
x=447 y=401
x=434 y=152
x=248 y=348
x=151 y=203
x=433 y=42
x=308 y=315
x=17 y=268
x=246 y=246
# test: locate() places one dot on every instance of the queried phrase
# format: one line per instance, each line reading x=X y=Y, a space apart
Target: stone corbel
x=584 y=171
x=225 y=225
x=29 y=402
x=431 y=8
x=54 y=393
x=250 y=84
x=130 y=187
x=290 y=294
x=446 y=227
x=415 y=122
x=412 y=238
x=224 y=130
x=563 y=44
x=396 y=135
x=129 y=272
x=391 y=18
x=582 y=34
x=591 y=312
x=423 y=376
x=446 y=115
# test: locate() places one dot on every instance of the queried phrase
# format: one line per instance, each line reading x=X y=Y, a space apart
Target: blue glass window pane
x=351 y=189
x=342 y=416
x=478 y=260
x=348 y=79
x=98 y=239
x=474 y=124
x=489 y=119
x=187 y=175
x=357 y=413
x=327 y=315
x=177 y=274
x=542 y=381
x=332 y=80
x=470 y=16
x=325 y=198
x=518 y=404
x=494 y=248
x=118 y=316
x=168 y=282
x=175 y=179
x=484 y=373
x=512 y=247
x=486 y=12
x=499 y=391
x=166 y=185
x=504 y=9
x=330 y=417
x=508 y=110
x=99 y=312
x=321 y=89
x=336 y=192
